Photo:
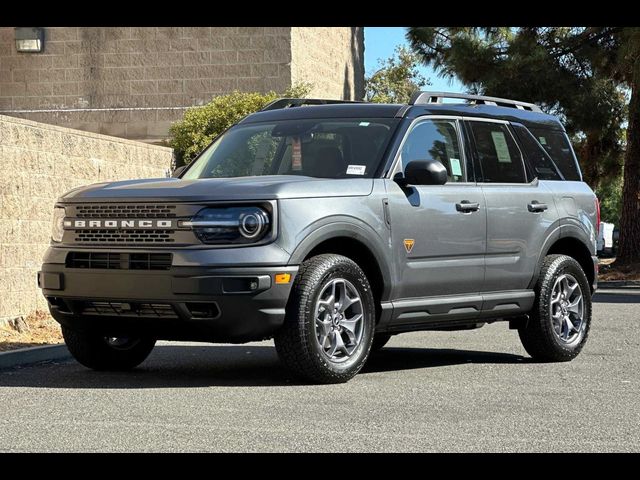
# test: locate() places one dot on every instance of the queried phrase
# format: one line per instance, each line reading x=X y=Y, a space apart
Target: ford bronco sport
x=331 y=226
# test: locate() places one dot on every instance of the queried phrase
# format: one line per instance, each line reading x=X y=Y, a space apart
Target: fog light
x=281 y=278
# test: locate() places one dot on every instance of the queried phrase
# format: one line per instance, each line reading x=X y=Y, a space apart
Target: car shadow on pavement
x=391 y=359
x=226 y=366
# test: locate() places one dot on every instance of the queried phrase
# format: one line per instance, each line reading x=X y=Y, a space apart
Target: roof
x=383 y=110
x=341 y=110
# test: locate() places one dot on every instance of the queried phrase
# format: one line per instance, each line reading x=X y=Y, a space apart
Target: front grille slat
x=124 y=236
x=134 y=309
x=119 y=261
x=125 y=211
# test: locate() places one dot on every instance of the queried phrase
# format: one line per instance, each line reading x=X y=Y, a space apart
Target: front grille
x=124 y=236
x=119 y=234
x=134 y=309
x=119 y=261
x=125 y=211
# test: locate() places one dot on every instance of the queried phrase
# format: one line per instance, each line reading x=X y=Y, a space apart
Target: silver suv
x=331 y=226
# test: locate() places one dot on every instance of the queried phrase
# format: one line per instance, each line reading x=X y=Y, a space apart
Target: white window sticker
x=543 y=141
x=502 y=149
x=364 y=124
x=356 y=169
x=296 y=154
x=456 y=168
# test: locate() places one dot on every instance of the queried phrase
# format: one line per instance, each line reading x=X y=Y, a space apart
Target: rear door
x=520 y=209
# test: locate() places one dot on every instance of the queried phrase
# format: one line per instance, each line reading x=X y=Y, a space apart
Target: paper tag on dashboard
x=296 y=154
x=356 y=169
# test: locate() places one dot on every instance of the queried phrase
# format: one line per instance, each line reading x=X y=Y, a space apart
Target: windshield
x=326 y=148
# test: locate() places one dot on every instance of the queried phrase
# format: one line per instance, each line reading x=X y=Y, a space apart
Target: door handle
x=537 y=207
x=465 y=206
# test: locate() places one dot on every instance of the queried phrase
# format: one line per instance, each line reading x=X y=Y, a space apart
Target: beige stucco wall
x=331 y=58
x=39 y=163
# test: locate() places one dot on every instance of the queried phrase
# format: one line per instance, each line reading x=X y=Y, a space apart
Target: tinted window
x=538 y=158
x=437 y=140
x=326 y=148
x=557 y=145
x=499 y=156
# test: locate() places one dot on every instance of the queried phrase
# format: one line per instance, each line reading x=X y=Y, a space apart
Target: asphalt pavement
x=430 y=391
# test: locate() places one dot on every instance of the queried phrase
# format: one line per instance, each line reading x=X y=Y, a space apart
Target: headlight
x=230 y=225
x=57 y=228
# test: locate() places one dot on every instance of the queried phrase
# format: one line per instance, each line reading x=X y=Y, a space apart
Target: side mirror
x=424 y=172
x=176 y=173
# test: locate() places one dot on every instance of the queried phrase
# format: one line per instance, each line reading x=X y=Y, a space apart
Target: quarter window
x=498 y=154
x=435 y=140
x=558 y=146
x=542 y=164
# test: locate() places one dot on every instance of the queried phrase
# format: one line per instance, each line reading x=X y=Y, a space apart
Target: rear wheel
x=328 y=328
x=107 y=353
x=559 y=323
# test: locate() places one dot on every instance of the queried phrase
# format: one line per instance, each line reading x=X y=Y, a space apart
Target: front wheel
x=379 y=341
x=107 y=353
x=329 y=323
x=559 y=323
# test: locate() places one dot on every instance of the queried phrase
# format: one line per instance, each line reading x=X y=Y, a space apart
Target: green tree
x=610 y=195
x=396 y=78
x=578 y=73
x=200 y=125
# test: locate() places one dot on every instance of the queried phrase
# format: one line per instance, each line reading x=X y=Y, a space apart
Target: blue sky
x=379 y=42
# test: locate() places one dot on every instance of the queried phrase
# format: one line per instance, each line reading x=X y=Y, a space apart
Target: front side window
x=435 y=140
x=499 y=156
x=325 y=148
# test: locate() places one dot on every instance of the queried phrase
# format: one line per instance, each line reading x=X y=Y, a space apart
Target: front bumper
x=181 y=303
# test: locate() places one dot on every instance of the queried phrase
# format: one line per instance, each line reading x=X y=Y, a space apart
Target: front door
x=438 y=231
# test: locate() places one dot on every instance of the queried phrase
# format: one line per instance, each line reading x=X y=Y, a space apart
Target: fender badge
x=408 y=244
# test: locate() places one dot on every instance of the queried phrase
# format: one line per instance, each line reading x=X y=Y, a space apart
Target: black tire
x=379 y=341
x=538 y=336
x=296 y=341
x=94 y=351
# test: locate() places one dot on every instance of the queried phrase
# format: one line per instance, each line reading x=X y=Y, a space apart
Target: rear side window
x=538 y=158
x=499 y=156
x=557 y=145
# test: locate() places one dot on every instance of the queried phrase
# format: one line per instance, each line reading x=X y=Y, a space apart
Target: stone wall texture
x=39 y=163
x=331 y=59
x=133 y=82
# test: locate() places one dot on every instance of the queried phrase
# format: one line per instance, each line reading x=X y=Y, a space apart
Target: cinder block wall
x=330 y=58
x=161 y=69
x=39 y=163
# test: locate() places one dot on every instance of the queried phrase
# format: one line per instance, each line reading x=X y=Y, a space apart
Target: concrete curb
x=619 y=283
x=27 y=356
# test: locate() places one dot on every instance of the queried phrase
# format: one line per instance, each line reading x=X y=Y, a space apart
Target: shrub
x=200 y=125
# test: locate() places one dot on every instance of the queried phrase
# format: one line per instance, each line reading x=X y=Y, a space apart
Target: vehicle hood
x=220 y=189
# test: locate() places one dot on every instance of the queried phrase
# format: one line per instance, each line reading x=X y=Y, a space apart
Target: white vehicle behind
x=604 y=242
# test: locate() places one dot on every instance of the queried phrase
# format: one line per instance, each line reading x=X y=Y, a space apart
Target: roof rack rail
x=298 y=102
x=422 y=98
